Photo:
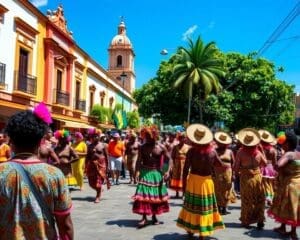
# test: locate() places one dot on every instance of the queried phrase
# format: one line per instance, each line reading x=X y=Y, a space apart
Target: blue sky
x=152 y=25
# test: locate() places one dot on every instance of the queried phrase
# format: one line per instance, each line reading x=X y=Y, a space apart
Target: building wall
x=49 y=47
x=8 y=38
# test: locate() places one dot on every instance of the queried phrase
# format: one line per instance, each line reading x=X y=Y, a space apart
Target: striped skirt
x=199 y=213
x=151 y=196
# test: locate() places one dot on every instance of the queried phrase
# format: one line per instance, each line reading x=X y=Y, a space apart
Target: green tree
x=254 y=96
x=251 y=96
x=103 y=114
x=133 y=119
x=198 y=65
x=158 y=97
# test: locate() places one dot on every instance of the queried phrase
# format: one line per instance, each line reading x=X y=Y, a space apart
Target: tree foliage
x=159 y=96
x=103 y=114
x=252 y=96
x=259 y=99
x=133 y=119
x=198 y=65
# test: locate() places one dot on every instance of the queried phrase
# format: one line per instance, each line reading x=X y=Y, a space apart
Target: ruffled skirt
x=151 y=196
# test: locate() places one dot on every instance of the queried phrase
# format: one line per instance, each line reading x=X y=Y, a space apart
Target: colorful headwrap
x=94 y=131
x=42 y=112
x=151 y=130
x=78 y=135
x=281 y=138
x=58 y=134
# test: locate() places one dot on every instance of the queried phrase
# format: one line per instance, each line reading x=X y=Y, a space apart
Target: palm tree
x=198 y=65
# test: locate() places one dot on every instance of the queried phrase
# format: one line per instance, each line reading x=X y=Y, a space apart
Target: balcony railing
x=61 y=97
x=25 y=83
x=2 y=74
x=80 y=104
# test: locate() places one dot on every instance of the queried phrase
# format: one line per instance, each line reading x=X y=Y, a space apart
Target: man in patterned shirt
x=34 y=197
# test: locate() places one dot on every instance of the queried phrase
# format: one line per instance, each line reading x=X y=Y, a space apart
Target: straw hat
x=223 y=137
x=248 y=137
x=266 y=136
x=199 y=134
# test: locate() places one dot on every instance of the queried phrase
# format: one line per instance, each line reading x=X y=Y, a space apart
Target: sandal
x=155 y=221
x=142 y=223
x=97 y=200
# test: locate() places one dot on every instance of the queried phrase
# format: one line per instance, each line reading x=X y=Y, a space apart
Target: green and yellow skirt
x=199 y=213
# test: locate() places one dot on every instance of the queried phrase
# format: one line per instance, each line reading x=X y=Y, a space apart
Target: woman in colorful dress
x=223 y=174
x=34 y=198
x=249 y=159
x=286 y=203
x=179 y=156
x=96 y=163
x=151 y=196
x=80 y=148
x=199 y=213
x=66 y=155
x=268 y=172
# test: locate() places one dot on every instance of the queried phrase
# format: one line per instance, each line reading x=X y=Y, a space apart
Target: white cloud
x=39 y=3
x=211 y=25
x=189 y=32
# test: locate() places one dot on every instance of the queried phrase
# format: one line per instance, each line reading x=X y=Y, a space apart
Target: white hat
x=199 y=134
x=249 y=137
x=223 y=137
x=266 y=136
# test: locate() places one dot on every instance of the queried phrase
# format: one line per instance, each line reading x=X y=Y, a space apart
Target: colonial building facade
x=40 y=61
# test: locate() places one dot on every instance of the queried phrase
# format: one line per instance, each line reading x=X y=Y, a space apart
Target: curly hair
x=291 y=139
x=25 y=129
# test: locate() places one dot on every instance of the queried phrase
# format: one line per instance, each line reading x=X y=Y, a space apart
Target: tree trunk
x=190 y=100
x=201 y=111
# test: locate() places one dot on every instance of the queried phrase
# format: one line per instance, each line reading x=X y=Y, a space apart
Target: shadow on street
x=254 y=233
x=124 y=223
x=177 y=236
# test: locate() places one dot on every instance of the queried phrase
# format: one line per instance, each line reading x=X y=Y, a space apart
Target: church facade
x=40 y=61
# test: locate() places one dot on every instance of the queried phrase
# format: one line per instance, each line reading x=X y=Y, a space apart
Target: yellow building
x=42 y=62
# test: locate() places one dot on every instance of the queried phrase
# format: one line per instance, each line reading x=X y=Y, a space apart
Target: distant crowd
x=208 y=170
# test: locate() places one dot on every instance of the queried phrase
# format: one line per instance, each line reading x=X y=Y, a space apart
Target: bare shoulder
x=161 y=146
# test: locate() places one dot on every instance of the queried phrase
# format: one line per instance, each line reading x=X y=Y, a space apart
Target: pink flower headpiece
x=78 y=135
x=94 y=131
x=41 y=111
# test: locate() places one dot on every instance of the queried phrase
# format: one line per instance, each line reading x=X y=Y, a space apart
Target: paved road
x=112 y=219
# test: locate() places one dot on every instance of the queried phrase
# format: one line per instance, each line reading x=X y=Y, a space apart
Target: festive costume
x=286 y=203
x=199 y=213
x=177 y=170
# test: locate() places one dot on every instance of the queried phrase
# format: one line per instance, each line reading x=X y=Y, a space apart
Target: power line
x=279 y=30
x=284 y=39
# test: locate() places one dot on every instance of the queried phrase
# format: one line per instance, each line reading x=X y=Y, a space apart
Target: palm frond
x=180 y=80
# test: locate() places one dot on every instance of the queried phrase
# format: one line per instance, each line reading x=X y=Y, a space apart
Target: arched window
x=119 y=61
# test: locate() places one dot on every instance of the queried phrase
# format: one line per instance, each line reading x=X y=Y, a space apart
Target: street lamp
x=164 y=52
x=123 y=77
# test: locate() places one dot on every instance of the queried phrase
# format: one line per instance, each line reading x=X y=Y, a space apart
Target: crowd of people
x=207 y=170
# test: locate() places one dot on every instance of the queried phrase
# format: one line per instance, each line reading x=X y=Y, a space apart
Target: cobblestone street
x=112 y=219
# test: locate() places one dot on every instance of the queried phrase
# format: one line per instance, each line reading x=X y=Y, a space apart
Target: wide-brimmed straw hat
x=223 y=138
x=199 y=134
x=249 y=137
x=266 y=136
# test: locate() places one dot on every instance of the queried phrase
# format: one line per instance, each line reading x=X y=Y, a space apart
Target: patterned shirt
x=21 y=216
